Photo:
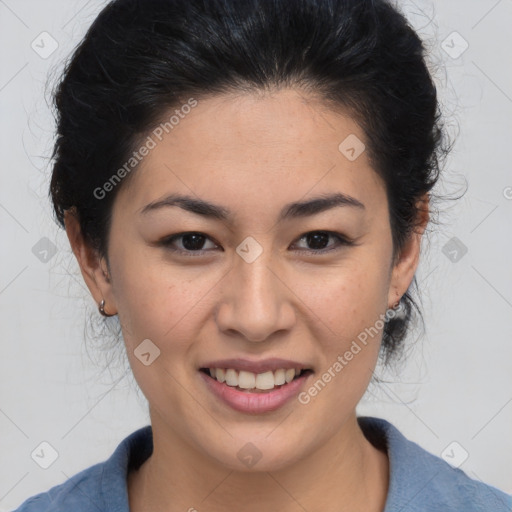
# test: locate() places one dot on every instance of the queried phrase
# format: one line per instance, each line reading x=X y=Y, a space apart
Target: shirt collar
x=130 y=454
x=133 y=451
x=412 y=470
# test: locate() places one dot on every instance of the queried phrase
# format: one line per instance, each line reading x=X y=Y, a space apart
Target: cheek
x=157 y=300
x=350 y=305
x=346 y=299
x=159 y=303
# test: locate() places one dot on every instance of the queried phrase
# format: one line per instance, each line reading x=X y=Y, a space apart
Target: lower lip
x=255 y=403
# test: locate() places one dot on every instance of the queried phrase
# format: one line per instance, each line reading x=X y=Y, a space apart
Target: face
x=255 y=278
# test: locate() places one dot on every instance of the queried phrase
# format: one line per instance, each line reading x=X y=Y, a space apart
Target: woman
x=246 y=184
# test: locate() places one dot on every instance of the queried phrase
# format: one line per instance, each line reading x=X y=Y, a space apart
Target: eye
x=319 y=239
x=191 y=242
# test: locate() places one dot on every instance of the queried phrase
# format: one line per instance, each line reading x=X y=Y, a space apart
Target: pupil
x=315 y=237
x=199 y=241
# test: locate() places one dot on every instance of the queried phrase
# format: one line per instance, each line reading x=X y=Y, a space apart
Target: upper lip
x=261 y=366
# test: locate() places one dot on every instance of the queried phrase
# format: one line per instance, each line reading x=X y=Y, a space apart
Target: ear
x=94 y=269
x=407 y=261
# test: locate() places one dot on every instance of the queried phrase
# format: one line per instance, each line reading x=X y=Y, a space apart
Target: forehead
x=253 y=150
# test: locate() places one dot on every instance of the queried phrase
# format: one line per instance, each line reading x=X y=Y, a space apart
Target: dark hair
x=140 y=58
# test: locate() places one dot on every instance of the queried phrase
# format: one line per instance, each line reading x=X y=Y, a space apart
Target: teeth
x=265 y=380
x=220 y=374
x=249 y=380
x=289 y=374
x=279 y=377
x=246 y=380
x=231 y=377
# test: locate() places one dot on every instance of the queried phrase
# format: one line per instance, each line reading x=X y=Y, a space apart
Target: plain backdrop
x=453 y=396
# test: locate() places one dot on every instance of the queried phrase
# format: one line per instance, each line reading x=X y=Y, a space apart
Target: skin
x=253 y=153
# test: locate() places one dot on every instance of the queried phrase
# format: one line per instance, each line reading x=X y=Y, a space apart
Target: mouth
x=249 y=382
x=251 y=393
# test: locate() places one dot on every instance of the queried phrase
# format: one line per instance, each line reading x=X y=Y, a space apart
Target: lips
x=254 y=400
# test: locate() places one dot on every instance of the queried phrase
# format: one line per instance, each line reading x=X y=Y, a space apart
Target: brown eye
x=319 y=241
x=191 y=242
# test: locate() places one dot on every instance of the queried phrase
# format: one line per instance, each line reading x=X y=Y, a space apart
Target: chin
x=257 y=453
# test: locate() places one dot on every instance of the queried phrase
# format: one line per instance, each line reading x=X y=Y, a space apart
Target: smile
x=254 y=393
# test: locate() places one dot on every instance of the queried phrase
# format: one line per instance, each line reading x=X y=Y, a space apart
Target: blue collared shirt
x=419 y=481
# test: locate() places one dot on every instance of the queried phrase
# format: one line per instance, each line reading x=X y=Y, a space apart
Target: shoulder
x=421 y=481
x=70 y=495
x=101 y=487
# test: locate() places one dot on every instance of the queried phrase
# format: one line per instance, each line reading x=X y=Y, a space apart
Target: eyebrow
x=289 y=211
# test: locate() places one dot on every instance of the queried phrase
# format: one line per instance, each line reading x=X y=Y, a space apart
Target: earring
x=101 y=308
x=397 y=310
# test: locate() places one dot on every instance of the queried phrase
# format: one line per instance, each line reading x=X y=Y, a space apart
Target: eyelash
x=343 y=241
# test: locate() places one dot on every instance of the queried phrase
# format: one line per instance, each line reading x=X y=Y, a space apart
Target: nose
x=256 y=302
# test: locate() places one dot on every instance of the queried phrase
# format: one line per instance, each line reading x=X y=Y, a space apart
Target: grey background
x=457 y=384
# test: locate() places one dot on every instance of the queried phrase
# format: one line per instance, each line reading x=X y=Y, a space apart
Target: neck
x=347 y=473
